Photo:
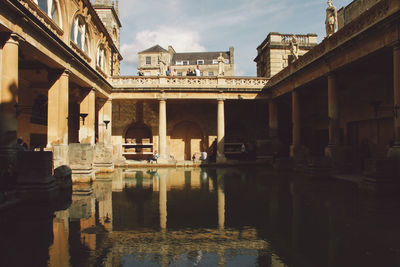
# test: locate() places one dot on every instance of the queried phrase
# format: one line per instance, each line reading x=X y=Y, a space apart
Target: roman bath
x=298 y=166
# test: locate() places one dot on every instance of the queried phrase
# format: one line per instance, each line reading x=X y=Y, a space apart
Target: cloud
x=182 y=40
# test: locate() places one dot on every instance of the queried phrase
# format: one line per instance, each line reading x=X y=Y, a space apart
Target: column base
x=103 y=158
x=81 y=162
x=60 y=155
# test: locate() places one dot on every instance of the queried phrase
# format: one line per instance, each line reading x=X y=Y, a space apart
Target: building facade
x=277 y=51
x=156 y=60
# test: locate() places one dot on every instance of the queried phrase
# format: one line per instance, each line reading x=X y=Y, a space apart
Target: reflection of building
x=152 y=59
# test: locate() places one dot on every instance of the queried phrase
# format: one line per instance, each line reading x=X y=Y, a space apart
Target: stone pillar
x=273 y=119
x=8 y=100
x=57 y=115
x=87 y=127
x=333 y=111
x=105 y=120
x=162 y=128
x=103 y=151
x=296 y=130
x=394 y=151
x=221 y=131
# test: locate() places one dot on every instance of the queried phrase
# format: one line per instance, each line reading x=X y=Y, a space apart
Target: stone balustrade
x=190 y=83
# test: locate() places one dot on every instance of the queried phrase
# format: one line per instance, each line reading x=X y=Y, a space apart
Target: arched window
x=100 y=59
x=79 y=33
x=51 y=8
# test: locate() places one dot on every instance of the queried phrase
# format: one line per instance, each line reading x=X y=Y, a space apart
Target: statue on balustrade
x=294 y=48
x=331 y=22
x=221 y=62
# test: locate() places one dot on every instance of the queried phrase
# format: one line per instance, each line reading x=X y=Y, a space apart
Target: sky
x=215 y=25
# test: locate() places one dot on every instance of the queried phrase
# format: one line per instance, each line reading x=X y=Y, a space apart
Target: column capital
x=66 y=72
x=15 y=38
x=331 y=75
x=162 y=99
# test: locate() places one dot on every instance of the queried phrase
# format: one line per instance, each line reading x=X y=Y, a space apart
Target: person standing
x=197 y=71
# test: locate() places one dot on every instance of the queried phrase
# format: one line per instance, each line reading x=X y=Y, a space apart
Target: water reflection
x=213 y=217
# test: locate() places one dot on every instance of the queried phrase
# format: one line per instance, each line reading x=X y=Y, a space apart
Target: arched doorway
x=186 y=140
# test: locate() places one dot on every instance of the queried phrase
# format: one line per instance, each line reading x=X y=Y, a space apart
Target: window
x=100 y=59
x=180 y=73
x=215 y=61
x=200 y=62
x=79 y=34
x=210 y=73
x=148 y=60
x=51 y=8
x=182 y=62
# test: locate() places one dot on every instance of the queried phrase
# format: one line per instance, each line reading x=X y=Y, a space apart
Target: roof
x=194 y=56
x=154 y=49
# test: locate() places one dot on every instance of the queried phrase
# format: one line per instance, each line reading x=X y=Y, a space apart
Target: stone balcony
x=157 y=83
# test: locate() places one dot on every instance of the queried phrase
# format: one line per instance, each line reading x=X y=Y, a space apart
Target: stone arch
x=186 y=139
x=138 y=131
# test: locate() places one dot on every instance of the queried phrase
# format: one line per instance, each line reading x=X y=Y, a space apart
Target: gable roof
x=194 y=56
x=154 y=49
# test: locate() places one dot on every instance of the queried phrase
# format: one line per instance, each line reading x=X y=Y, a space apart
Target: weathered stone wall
x=353 y=10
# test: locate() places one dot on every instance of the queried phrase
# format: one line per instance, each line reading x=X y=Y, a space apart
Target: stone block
x=60 y=155
x=103 y=158
x=81 y=162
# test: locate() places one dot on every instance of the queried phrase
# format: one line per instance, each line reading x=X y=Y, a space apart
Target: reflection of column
x=163 y=200
x=57 y=117
x=59 y=250
x=87 y=130
x=295 y=122
x=395 y=150
x=221 y=131
x=221 y=200
x=104 y=122
x=273 y=119
x=295 y=217
x=163 y=129
x=8 y=100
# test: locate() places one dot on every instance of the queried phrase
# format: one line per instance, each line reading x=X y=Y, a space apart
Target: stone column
x=394 y=151
x=103 y=151
x=57 y=115
x=296 y=130
x=221 y=131
x=273 y=119
x=105 y=122
x=162 y=128
x=87 y=129
x=333 y=111
x=8 y=100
